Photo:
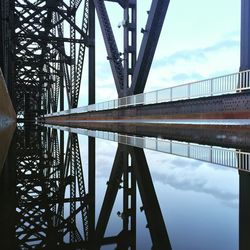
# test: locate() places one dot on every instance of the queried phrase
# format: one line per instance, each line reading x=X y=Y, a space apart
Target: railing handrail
x=118 y=103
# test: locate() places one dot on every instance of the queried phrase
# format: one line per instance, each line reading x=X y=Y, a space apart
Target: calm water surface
x=62 y=190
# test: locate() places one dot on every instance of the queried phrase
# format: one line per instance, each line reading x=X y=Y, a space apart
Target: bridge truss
x=44 y=44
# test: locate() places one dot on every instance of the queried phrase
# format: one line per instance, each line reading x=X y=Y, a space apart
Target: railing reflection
x=229 y=157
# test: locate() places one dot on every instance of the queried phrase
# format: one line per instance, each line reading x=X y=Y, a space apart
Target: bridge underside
x=230 y=106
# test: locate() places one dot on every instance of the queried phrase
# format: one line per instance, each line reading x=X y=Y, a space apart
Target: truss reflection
x=52 y=208
x=48 y=205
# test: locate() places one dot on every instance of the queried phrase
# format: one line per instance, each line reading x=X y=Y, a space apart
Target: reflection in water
x=47 y=203
x=49 y=207
x=6 y=134
x=230 y=157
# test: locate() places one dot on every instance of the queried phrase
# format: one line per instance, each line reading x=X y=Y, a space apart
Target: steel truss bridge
x=44 y=46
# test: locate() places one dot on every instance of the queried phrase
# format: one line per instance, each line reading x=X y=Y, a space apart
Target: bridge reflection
x=235 y=157
x=48 y=204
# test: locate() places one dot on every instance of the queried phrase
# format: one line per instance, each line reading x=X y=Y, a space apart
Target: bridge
x=44 y=46
x=43 y=53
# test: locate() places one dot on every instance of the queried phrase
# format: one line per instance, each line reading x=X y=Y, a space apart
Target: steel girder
x=151 y=34
x=45 y=44
x=114 y=56
x=49 y=54
x=131 y=73
x=245 y=38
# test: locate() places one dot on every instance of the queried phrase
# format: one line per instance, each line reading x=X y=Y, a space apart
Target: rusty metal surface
x=230 y=106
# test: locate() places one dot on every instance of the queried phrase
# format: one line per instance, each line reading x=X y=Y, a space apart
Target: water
x=86 y=189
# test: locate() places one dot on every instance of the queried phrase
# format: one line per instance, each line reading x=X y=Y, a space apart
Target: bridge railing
x=232 y=83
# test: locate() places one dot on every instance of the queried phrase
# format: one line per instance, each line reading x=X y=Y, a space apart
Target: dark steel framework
x=45 y=183
x=43 y=50
x=50 y=207
x=43 y=45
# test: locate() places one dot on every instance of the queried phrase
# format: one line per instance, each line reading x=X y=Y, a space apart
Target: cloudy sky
x=200 y=39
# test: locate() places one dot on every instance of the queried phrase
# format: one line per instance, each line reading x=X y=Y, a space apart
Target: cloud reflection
x=191 y=175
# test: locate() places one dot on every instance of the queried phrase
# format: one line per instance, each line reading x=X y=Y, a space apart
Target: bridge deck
x=230 y=106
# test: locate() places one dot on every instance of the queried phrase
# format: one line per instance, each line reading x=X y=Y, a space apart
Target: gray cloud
x=195 y=184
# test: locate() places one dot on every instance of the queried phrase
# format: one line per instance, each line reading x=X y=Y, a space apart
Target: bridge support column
x=92 y=53
x=245 y=35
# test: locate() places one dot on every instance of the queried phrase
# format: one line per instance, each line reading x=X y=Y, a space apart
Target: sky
x=200 y=39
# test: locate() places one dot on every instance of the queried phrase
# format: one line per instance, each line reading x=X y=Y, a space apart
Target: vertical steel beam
x=72 y=53
x=91 y=189
x=245 y=35
x=61 y=88
x=8 y=199
x=129 y=40
x=129 y=202
x=92 y=52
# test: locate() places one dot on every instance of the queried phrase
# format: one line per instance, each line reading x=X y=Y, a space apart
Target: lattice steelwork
x=44 y=44
x=49 y=53
x=130 y=72
x=47 y=208
x=51 y=207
